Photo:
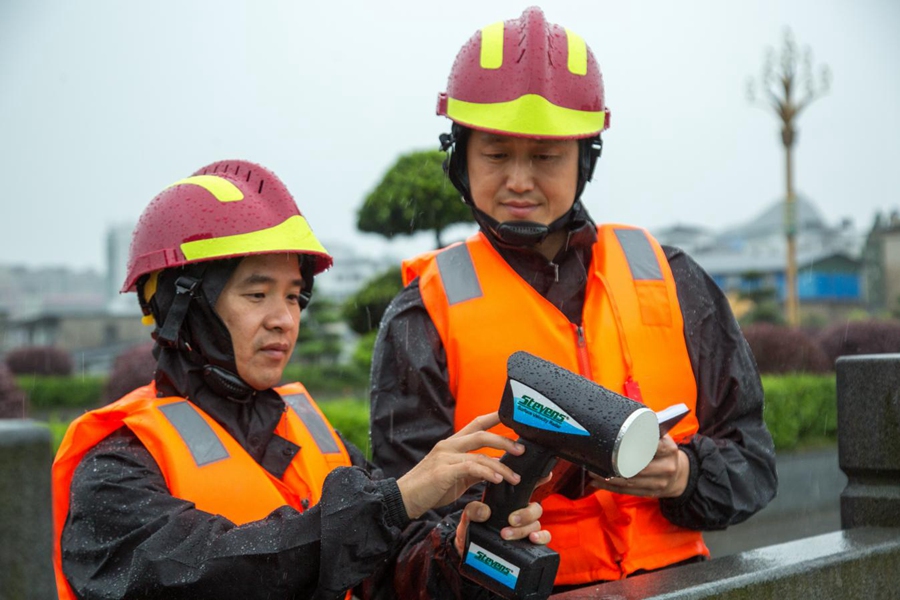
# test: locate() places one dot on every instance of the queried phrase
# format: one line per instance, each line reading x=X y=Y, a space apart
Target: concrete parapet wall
x=868 y=388
x=26 y=572
x=857 y=563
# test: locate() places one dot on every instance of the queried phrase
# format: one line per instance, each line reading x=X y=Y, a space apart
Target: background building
x=881 y=258
x=751 y=256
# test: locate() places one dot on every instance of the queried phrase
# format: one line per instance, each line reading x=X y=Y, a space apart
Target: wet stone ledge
x=856 y=563
x=26 y=572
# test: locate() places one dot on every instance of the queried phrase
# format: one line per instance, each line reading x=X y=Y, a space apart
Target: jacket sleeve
x=411 y=404
x=127 y=537
x=732 y=456
x=411 y=409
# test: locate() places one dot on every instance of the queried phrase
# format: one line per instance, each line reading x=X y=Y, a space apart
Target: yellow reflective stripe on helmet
x=492 y=46
x=527 y=115
x=577 y=53
x=292 y=235
x=222 y=189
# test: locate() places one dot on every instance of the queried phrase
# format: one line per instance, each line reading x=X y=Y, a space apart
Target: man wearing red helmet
x=526 y=100
x=210 y=482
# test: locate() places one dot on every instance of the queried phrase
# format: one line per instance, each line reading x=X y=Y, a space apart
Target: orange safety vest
x=631 y=341
x=200 y=461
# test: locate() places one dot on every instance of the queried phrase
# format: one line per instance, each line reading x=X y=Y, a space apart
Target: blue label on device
x=533 y=409
x=492 y=565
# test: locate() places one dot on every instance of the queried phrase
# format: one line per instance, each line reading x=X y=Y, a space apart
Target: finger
x=542 y=537
x=523 y=522
x=481 y=439
x=477 y=512
x=482 y=468
x=479 y=423
x=488 y=468
x=517 y=533
x=526 y=515
x=461 y=531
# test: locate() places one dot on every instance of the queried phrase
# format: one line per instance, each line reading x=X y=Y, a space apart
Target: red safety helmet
x=527 y=78
x=226 y=209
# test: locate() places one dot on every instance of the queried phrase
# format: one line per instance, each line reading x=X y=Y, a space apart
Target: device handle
x=503 y=497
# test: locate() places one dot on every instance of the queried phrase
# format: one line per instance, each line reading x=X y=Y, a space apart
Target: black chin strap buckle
x=447 y=140
x=227 y=384
x=521 y=233
x=185 y=288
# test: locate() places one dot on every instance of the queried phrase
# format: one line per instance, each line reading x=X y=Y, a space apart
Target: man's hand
x=665 y=477
x=451 y=467
x=523 y=523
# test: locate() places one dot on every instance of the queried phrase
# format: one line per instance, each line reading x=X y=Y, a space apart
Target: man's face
x=259 y=305
x=520 y=179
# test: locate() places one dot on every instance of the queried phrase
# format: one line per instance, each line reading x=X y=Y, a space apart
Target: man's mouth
x=276 y=350
x=519 y=209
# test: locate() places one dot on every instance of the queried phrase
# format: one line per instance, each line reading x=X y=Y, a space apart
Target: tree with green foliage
x=319 y=341
x=413 y=196
x=363 y=310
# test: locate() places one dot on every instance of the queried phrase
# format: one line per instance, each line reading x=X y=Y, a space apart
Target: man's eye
x=256 y=295
x=495 y=155
x=546 y=157
x=293 y=298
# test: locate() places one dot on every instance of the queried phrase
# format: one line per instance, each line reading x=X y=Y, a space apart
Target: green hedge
x=801 y=409
x=325 y=381
x=55 y=392
x=52 y=392
x=350 y=416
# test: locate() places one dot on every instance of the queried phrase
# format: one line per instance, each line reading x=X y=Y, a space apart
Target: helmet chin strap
x=522 y=234
x=174 y=335
x=227 y=384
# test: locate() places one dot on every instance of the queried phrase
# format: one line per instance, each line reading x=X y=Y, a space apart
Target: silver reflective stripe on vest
x=316 y=426
x=458 y=274
x=639 y=253
x=198 y=436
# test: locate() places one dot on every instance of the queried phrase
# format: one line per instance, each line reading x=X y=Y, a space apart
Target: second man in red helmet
x=214 y=481
x=527 y=106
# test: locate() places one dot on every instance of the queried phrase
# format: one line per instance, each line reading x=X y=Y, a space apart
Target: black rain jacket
x=126 y=536
x=732 y=457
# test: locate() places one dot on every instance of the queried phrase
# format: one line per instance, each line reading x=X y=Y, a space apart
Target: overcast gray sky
x=103 y=103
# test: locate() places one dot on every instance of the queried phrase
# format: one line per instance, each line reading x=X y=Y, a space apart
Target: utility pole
x=778 y=89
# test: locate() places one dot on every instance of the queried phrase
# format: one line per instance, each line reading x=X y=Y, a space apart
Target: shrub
x=12 y=400
x=39 y=360
x=351 y=418
x=860 y=337
x=800 y=409
x=362 y=354
x=363 y=310
x=132 y=369
x=324 y=381
x=785 y=350
x=63 y=392
x=58 y=428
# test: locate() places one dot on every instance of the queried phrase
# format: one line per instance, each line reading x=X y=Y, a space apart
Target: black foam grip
x=504 y=498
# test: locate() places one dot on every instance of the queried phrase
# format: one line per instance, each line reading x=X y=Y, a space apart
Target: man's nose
x=280 y=316
x=520 y=178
